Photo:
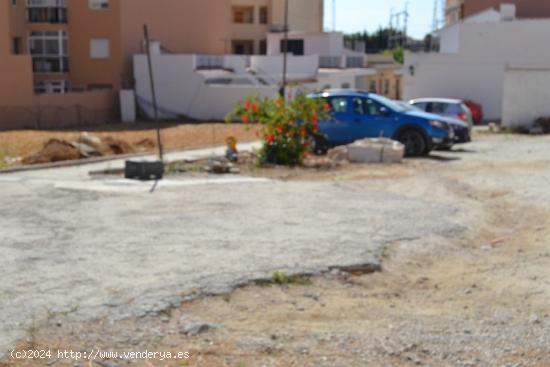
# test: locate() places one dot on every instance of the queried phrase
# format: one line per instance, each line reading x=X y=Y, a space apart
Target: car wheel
x=414 y=142
x=319 y=145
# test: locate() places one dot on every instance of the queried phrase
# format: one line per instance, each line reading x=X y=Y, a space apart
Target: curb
x=85 y=161
x=69 y=163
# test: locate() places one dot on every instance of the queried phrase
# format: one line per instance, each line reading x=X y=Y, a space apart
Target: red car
x=477 y=110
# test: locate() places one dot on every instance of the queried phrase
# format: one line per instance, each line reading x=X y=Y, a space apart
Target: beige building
x=62 y=46
x=88 y=44
x=254 y=19
x=387 y=79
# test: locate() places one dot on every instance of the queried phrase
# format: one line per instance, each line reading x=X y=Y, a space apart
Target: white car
x=445 y=107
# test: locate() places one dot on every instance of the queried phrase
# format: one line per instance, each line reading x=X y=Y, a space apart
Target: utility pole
x=399 y=39
x=334 y=15
x=153 y=91
x=285 y=53
x=405 y=41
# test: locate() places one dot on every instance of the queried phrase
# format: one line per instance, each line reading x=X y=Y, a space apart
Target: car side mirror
x=385 y=112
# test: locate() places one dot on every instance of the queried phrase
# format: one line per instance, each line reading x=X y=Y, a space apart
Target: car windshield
x=393 y=105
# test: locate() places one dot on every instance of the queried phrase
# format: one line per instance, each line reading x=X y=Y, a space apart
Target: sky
x=358 y=15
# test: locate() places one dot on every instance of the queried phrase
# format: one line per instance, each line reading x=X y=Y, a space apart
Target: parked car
x=477 y=110
x=445 y=107
x=461 y=129
x=357 y=115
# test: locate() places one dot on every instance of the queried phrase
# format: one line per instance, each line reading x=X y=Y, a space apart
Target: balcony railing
x=47 y=11
x=47 y=15
x=330 y=62
x=50 y=64
x=355 y=62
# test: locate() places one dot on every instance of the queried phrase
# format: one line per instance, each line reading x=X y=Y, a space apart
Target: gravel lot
x=85 y=253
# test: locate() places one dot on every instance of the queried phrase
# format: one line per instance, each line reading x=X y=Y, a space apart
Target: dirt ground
x=23 y=143
x=480 y=299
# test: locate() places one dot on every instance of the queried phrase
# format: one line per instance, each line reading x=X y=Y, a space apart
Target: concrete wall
x=450 y=39
x=182 y=91
x=323 y=44
x=526 y=95
x=299 y=67
x=54 y=111
x=477 y=70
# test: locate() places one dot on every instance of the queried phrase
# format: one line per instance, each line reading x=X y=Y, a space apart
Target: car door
x=338 y=126
x=376 y=120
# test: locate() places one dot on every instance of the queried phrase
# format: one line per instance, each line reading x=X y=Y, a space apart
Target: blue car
x=357 y=115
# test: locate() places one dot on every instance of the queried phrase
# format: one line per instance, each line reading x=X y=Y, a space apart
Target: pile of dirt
x=55 y=150
x=87 y=146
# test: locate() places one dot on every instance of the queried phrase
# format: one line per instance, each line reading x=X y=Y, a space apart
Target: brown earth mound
x=55 y=150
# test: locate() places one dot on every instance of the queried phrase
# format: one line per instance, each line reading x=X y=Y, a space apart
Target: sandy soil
x=22 y=143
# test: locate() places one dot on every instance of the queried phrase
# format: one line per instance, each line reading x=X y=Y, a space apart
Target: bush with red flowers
x=289 y=127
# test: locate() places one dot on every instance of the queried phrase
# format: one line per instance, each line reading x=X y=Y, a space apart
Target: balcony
x=47 y=11
x=48 y=65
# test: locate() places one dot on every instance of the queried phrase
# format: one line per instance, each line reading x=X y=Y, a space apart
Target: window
x=386 y=87
x=295 y=47
x=263 y=47
x=49 y=51
x=242 y=47
x=51 y=86
x=372 y=108
x=42 y=11
x=372 y=86
x=97 y=87
x=16 y=48
x=100 y=48
x=358 y=106
x=264 y=15
x=243 y=14
x=437 y=107
x=98 y=4
x=338 y=104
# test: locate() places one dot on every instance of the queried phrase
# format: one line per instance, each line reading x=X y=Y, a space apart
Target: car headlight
x=439 y=124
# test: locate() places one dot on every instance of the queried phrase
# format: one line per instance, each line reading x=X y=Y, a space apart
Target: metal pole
x=153 y=92
x=334 y=15
x=285 y=52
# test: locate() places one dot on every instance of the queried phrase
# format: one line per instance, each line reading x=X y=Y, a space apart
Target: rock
x=338 y=154
x=534 y=319
x=220 y=167
x=196 y=328
x=118 y=146
x=86 y=150
x=145 y=144
x=376 y=151
x=90 y=139
x=486 y=248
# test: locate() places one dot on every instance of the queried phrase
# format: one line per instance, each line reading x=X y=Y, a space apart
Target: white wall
x=477 y=71
x=182 y=91
x=526 y=96
x=489 y=15
x=127 y=105
x=299 y=67
x=450 y=39
x=324 y=44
